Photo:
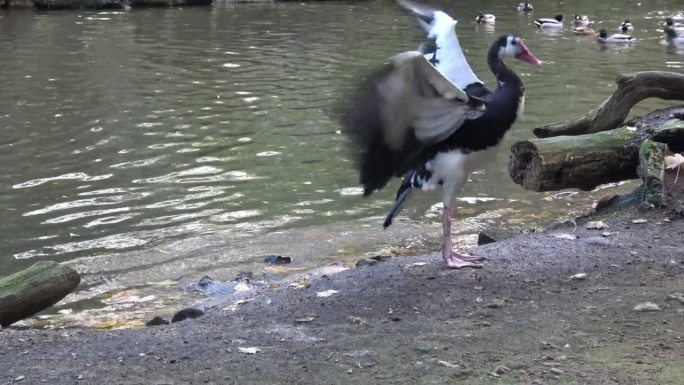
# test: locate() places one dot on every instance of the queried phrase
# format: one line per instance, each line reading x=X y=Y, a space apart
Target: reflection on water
x=125 y=130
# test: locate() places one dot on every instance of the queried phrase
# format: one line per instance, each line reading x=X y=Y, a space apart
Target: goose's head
x=513 y=46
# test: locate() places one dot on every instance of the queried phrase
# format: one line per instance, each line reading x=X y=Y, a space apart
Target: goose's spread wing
x=398 y=112
x=416 y=99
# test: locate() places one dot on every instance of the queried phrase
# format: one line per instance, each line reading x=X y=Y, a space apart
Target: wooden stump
x=29 y=291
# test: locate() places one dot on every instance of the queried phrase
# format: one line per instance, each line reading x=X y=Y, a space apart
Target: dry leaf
x=596 y=225
x=672 y=161
x=578 y=277
x=571 y=237
x=326 y=293
x=448 y=364
x=304 y=319
x=250 y=350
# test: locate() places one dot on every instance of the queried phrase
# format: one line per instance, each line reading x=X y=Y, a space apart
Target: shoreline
x=558 y=306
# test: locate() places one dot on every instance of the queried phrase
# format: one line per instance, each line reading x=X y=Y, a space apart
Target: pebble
x=156 y=321
x=277 y=260
x=365 y=262
x=496 y=303
x=186 y=313
x=501 y=370
x=647 y=306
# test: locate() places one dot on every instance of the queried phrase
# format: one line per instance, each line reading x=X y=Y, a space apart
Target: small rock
x=186 y=313
x=676 y=297
x=493 y=235
x=381 y=258
x=496 y=303
x=596 y=225
x=156 y=321
x=501 y=370
x=647 y=306
x=277 y=260
x=365 y=262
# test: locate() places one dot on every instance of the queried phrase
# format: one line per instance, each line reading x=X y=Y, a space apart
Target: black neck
x=499 y=68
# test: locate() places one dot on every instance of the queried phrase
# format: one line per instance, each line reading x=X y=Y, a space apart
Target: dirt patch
x=555 y=307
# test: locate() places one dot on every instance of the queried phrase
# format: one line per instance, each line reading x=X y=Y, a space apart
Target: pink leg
x=452 y=258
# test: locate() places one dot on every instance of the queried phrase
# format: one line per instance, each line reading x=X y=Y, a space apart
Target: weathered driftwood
x=29 y=291
x=583 y=161
x=631 y=89
x=586 y=161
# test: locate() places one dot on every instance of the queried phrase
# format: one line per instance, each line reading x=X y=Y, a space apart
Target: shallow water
x=122 y=131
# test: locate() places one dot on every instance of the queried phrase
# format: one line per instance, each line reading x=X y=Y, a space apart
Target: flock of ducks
x=582 y=25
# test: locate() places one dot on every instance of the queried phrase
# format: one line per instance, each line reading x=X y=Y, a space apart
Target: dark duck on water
x=427 y=118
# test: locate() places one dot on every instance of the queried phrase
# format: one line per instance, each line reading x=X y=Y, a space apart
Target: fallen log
x=586 y=161
x=29 y=291
x=631 y=89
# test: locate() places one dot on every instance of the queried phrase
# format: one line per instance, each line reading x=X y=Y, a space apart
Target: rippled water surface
x=120 y=131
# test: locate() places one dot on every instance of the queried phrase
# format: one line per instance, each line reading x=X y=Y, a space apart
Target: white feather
x=451 y=60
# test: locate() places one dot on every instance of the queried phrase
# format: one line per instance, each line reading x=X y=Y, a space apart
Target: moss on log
x=582 y=162
x=29 y=291
x=631 y=89
x=651 y=170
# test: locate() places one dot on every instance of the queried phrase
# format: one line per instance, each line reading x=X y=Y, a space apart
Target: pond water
x=120 y=131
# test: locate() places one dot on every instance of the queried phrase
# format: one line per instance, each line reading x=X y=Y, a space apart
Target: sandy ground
x=527 y=317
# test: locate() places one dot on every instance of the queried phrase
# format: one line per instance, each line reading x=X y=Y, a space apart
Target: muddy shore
x=555 y=307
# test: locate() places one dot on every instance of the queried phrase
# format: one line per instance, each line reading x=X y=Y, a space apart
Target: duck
x=555 y=23
x=626 y=24
x=413 y=121
x=672 y=37
x=485 y=18
x=525 y=6
x=616 y=38
x=678 y=28
x=587 y=30
x=580 y=20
